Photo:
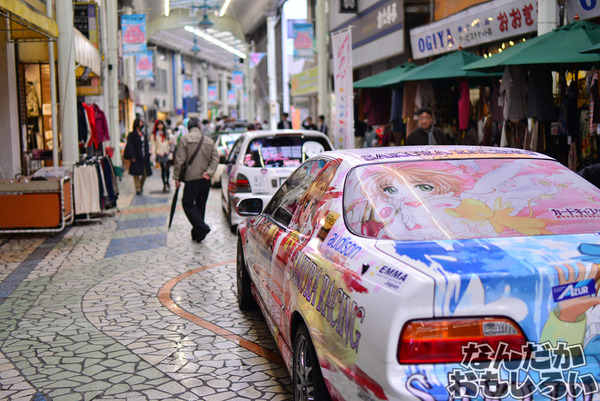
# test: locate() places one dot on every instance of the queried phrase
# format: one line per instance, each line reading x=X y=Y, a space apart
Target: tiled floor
x=124 y=309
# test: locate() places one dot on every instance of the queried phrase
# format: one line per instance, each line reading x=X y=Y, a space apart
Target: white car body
x=264 y=178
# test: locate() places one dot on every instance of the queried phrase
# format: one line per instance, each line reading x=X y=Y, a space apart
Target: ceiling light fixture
x=214 y=41
x=224 y=8
x=167 y=7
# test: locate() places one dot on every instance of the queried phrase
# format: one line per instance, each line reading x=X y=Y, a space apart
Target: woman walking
x=137 y=151
x=161 y=146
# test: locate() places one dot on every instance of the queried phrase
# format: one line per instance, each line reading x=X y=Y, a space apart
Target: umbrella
x=173 y=206
x=448 y=66
x=562 y=45
x=375 y=81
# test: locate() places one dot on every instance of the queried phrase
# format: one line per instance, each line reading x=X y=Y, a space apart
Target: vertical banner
x=212 y=93
x=343 y=119
x=237 y=79
x=303 y=40
x=134 y=34
x=188 y=88
x=144 y=65
x=231 y=98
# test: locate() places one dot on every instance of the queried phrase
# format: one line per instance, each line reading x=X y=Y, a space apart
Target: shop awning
x=448 y=66
x=86 y=54
x=26 y=23
x=379 y=80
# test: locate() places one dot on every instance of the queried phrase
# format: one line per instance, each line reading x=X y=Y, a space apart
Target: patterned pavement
x=124 y=309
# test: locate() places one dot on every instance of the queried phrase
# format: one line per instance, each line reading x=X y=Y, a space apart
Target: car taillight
x=442 y=341
x=242 y=184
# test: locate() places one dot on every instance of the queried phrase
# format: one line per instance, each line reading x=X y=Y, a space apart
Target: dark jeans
x=164 y=171
x=195 y=195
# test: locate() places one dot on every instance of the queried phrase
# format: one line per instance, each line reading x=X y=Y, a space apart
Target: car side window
x=286 y=200
x=235 y=151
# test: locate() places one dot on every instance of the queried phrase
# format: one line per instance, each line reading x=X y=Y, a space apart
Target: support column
x=204 y=90
x=10 y=151
x=322 y=60
x=52 y=65
x=272 y=72
x=250 y=88
x=178 y=84
x=224 y=93
x=66 y=73
x=547 y=16
x=110 y=19
x=285 y=66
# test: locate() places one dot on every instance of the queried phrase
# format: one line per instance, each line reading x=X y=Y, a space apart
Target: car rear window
x=227 y=140
x=476 y=198
x=283 y=151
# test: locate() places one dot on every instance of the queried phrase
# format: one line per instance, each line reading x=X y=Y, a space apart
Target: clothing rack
x=95 y=188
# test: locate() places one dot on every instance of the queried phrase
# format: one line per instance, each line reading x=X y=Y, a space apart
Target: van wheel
x=307 y=377
x=232 y=227
x=244 y=295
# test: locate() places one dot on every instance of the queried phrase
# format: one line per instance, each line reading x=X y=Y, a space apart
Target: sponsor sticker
x=573 y=290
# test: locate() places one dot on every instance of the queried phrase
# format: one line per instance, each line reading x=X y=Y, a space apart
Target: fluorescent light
x=224 y=8
x=215 y=41
x=167 y=7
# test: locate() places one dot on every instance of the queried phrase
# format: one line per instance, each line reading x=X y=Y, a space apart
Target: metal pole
x=272 y=72
x=322 y=60
x=66 y=72
x=52 y=65
x=224 y=93
x=285 y=65
x=111 y=80
x=204 y=90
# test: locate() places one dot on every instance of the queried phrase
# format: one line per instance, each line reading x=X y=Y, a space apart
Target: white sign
x=488 y=22
x=343 y=124
x=584 y=8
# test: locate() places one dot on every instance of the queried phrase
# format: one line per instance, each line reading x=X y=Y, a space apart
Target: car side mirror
x=250 y=207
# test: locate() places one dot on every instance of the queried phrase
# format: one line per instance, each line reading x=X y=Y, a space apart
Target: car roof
x=422 y=153
x=283 y=132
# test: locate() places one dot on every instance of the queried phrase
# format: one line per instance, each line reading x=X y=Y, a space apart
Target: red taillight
x=442 y=341
x=242 y=184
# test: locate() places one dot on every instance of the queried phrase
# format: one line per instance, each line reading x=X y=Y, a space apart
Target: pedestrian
x=137 y=151
x=198 y=154
x=284 y=123
x=322 y=126
x=162 y=140
x=425 y=133
x=308 y=124
x=205 y=127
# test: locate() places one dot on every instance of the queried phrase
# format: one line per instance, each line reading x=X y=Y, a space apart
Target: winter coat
x=133 y=151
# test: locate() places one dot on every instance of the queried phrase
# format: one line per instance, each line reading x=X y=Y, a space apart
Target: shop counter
x=36 y=206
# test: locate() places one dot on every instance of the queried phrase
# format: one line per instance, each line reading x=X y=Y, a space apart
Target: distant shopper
x=137 y=151
x=308 y=124
x=426 y=133
x=322 y=126
x=205 y=127
x=162 y=140
x=201 y=165
x=284 y=123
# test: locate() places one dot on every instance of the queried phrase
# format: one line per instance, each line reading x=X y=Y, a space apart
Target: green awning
x=448 y=66
x=562 y=45
x=379 y=80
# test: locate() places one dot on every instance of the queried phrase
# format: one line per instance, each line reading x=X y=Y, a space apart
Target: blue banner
x=134 y=34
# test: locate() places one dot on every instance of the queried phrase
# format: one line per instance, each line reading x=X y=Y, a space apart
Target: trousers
x=195 y=196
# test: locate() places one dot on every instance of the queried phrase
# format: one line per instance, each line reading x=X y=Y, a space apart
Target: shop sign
x=305 y=83
x=586 y=9
x=377 y=21
x=348 y=6
x=489 y=22
x=85 y=19
x=144 y=65
x=231 y=98
x=134 y=34
x=303 y=40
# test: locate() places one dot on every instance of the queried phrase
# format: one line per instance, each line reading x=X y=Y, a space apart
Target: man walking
x=284 y=123
x=426 y=133
x=199 y=154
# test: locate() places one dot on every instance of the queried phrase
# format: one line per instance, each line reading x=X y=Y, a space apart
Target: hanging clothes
x=540 y=102
x=91 y=116
x=377 y=106
x=86 y=190
x=464 y=106
x=514 y=90
x=82 y=124
x=102 y=132
x=497 y=101
x=425 y=97
x=398 y=125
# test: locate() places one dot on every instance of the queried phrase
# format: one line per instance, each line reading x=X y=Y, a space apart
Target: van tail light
x=242 y=184
x=442 y=341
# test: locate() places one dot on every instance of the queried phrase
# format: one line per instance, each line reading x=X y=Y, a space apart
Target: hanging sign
x=343 y=134
x=349 y=6
x=231 y=98
x=144 y=65
x=255 y=59
x=85 y=19
x=188 y=88
x=134 y=34
x=303 y=40
x=237 y=79
x=485 y=23
x=212 y=93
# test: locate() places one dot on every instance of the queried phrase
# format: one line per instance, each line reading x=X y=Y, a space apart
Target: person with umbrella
x=195 y=162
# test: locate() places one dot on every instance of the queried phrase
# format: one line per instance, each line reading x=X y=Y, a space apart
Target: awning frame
x=19 y=17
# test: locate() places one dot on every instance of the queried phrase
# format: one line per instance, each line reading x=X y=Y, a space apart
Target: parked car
x=428 y=273
x=261 y=160
x=224 y=142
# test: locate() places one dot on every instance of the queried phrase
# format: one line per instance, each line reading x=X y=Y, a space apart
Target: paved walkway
x=123 y=309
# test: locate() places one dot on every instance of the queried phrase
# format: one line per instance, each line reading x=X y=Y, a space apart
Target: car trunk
x=269 y=180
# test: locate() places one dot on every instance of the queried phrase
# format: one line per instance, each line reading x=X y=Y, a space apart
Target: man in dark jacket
x=137 y=151
x=426 y=134
x=197 y=176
